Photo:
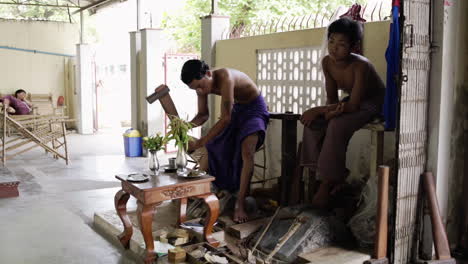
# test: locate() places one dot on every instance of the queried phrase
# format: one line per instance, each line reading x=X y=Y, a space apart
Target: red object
x=9 y=189
x=396 y=3
x=60 y=101
x=354 y=13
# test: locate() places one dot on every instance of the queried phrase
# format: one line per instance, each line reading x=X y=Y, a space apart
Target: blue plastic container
x=132 y=143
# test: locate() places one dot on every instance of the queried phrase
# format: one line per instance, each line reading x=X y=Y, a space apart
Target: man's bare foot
x=240 y=216
x=322 y=197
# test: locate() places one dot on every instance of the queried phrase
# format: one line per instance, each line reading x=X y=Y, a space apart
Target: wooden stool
x=377 y=129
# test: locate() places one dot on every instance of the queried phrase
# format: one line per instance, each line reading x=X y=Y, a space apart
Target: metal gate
x=412 y=127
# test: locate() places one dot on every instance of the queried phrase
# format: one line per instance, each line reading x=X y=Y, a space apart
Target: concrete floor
x=51 y=221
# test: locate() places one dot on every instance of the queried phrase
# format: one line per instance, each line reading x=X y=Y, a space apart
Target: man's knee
x=338 y=126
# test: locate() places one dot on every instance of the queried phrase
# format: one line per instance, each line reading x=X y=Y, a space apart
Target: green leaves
x=154 y=143
x=179 y=132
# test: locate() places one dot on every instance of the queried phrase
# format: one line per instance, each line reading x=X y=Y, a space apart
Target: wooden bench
x=45 y=131
x=43 y=104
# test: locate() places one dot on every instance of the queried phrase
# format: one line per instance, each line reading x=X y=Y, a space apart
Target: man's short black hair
x=348 y=27
x=193 y=69
x=19 y=91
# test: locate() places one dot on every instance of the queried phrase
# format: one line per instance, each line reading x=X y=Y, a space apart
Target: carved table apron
x=152 y=193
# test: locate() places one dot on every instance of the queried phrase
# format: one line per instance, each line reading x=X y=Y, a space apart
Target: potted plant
x=179 y=132
x=154 y=144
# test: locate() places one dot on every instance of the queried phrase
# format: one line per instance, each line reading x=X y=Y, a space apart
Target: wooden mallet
x=162 y=94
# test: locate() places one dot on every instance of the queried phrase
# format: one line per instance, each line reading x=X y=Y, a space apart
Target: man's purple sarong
x=224 y=151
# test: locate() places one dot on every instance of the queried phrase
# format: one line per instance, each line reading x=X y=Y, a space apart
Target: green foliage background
x=37 y=12
x=185 y=27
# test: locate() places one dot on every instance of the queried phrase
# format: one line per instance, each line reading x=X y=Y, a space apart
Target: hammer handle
x=380 y=248
x=438 y=230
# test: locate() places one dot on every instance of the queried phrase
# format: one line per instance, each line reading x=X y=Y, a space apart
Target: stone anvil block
x=320 y=230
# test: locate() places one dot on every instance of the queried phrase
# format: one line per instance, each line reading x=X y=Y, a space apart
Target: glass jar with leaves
x=154 y=144
x=179 y=132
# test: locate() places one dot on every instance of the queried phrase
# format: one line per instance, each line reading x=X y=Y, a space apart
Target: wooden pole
x=438 y=230
x=4 y=135
x=380 y=247
x=64 y=131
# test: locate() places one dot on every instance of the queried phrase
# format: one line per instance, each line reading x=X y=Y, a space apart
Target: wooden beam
x=95 y=4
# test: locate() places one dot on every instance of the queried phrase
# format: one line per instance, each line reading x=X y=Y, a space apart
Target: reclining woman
x=17 y=102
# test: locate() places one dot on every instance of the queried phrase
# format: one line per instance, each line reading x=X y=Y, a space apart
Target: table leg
x=288 y=157
x=145 y=219
x=120 y=202
x=212 y=201
x=182 y=210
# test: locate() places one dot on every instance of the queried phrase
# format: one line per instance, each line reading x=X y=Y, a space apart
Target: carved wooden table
x=166 y=186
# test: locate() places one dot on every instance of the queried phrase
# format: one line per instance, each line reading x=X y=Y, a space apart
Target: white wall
x=35 y=72
x=241 y=54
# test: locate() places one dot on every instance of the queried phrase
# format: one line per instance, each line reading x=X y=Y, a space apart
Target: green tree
x=48 y=13
x=185 y=27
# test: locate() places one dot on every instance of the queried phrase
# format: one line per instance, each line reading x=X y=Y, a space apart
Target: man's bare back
x=245 y=89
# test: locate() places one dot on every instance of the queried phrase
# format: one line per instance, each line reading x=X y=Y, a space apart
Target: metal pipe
x=307 y=24
x=37 y=51
x=45 y=5
x=302 y=20
x=372 y=12
x=81 y=27
x=138 y=7
x=214 y=7
x=315 y=20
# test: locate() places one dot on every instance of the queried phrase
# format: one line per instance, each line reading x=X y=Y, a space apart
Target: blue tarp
x=392 y=55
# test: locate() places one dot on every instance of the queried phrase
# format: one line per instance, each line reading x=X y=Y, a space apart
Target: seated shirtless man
x=233 y=140
x=328 y=129
x=18 y=102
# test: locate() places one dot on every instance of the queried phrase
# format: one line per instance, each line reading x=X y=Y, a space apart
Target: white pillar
x=135 y=48
x=85 y=88
x=445 y=127
x=153 y=47
x=214 y=28
x=441 y=100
